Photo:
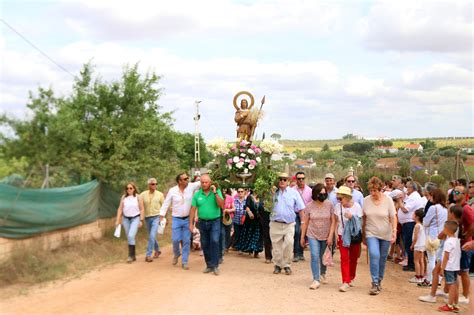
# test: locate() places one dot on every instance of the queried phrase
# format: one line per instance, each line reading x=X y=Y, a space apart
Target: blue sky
x=327 y=68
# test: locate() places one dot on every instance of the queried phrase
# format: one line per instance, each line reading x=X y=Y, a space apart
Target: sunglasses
x=240 y=191
x=350 y=181
x=283 y=179
x=300 y=178
x=129 y=188
x=457 y=192
x=186 y=178
x=152 y=184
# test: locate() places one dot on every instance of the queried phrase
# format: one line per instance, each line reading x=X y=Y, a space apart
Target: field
x=336 y=144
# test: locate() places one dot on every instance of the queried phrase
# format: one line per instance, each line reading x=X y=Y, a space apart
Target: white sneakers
x=427 y=298
x=441 y=293
x=415 y=280
x=323 y=279
x=344 y=287
x=461 y=300
x=314 y=285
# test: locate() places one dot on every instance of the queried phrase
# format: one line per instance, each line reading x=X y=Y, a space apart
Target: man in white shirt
x=179 y=199
x=331 y=190
x=406 y=208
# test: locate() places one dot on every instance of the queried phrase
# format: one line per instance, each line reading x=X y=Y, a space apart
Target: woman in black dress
x=250 y=240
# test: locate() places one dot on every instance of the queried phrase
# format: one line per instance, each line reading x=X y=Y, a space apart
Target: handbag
x=355 y=239
x=118 y=228
x=327 y=258
x=432 y=245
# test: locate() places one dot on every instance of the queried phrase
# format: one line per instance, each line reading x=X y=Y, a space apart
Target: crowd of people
x=422 y=228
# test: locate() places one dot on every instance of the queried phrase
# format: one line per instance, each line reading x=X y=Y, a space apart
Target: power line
x=35 y=47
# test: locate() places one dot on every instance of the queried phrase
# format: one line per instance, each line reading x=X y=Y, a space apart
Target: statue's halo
x=252 y=101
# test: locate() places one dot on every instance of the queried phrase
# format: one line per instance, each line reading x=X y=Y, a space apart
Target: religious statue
x=245 y=118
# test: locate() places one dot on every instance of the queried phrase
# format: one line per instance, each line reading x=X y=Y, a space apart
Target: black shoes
x=287 y=271
x=277 y=270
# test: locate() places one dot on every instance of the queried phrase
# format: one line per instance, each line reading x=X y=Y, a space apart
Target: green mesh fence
x=26 y=212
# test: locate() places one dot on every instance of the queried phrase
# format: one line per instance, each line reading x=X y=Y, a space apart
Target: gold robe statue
x=245 y=125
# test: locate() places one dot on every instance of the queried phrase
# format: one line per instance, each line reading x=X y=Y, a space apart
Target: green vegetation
x=111 y=131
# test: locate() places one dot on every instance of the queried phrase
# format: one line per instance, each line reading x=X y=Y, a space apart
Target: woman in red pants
x=346 y=211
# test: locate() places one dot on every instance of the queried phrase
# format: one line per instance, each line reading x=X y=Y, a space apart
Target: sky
x=398 y=69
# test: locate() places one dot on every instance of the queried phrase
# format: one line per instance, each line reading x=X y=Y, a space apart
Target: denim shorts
x=465 y=260
x=450 y=277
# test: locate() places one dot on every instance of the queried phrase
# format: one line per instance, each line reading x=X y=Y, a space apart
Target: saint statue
x=245 y=125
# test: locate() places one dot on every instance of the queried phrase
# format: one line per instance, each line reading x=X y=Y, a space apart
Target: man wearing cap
x=179 y=200
x=305 y=193
x=331 y=190
x=287 y=205
x=152 y=201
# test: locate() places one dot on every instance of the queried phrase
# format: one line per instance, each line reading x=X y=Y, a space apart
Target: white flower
x=270 y=146
x=250 y=151
x=258 y=159
x=229 y=167
x=246 y=171
x=235 y=159
x=251 y=167
x=242 y=154
x=218 y=146
x=239 y=165
x=247 y=160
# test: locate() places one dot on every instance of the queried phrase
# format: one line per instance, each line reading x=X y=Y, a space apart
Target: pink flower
x=253 y=162
x=258 y=151
x=253 y=147
x=234 y=148
x=242 y=160
x=242 y=150
x=243 y=143
x=229 y=161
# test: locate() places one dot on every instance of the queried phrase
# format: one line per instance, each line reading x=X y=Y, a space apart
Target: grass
x=34 y=265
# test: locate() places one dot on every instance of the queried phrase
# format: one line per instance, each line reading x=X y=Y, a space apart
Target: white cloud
x=433 y=26
x=158 y=19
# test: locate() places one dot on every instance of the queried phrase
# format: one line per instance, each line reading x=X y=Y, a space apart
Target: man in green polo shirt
x=208 y=202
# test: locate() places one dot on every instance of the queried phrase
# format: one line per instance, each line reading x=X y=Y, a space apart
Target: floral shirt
x=319 y=219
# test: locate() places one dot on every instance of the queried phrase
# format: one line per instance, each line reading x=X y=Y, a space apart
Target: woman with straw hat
x=348 y=214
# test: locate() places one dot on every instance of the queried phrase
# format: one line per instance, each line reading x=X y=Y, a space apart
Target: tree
x=428 y=144
x=326 y=148
x=114 y=132
x=423 y=159
x=436 y=158
x=404 y=166
x=349 y=136
x=275 y=136
x=359 y=147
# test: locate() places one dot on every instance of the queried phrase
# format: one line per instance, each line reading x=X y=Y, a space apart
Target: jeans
x=297 y=249
x=317 y=249
x=225 y=236
x=152 y=227
x=210 y=235
x=407 y=235
x=235 y=237
x=130 y=225
x=378 y=252
x=180 y=233
x=349 y=257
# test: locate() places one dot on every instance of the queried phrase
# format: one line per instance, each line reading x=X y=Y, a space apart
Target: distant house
x=414 y=147
x=468 y=150
x=386 y=149
x=304 y=163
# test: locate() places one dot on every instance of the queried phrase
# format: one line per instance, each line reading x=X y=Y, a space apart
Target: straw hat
x=344 y=190
x=283 y=175
x=226 y=219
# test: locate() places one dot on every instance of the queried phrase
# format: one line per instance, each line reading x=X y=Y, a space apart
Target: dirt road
x=246 y=285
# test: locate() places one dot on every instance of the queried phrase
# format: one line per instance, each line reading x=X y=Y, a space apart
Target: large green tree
x=112 y=131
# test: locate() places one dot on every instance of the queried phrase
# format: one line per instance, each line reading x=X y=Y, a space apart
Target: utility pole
x=197 y=152
x=46 y=177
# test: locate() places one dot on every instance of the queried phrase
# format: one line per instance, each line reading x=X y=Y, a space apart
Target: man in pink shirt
x=305 y=193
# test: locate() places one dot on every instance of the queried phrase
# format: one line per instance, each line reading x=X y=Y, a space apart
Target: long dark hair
x=135 y=189
x=316 y=191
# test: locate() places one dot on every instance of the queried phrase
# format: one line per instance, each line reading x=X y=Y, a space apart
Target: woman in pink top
x=227 y=215
x=319 y=224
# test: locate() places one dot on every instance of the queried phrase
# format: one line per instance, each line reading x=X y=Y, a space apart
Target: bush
x=438 y=180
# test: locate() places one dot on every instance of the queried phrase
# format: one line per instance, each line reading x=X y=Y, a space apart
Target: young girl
x=418 y=246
